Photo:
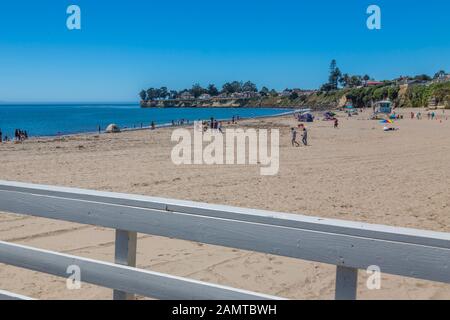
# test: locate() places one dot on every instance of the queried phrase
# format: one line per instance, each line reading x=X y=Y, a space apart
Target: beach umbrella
x=386 y=121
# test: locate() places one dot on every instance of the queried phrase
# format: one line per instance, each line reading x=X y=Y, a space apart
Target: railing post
x=346 y=283
x=125 y=254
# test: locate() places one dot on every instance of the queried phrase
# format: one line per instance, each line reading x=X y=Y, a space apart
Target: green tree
x=345 y=80
x=212 y=90
x=273 y=93
x=355 y=81
x=227 y=88
x=232 y=87
x=197 y=90
x=335 y=75
x=327 y=87
x=422 y=77
x=152 y=94
x=249 y=87
x=163 y=93
x=264 y=91
x=393 y=92
x=439 y=74
x=173 y=94
x=333 y=79
x=237 y=86
x=143 y=95
x=294 y=95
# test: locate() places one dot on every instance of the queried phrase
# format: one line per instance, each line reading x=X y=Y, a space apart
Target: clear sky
x=125 y=46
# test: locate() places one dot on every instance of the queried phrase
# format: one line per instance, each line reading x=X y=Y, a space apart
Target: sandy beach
x=356 y=172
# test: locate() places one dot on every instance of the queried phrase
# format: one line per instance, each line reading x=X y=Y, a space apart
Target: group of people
x=212 y=124
x=19 y=135
x=180 y=122
x=235 y=119
x=430 y=115
x=304 y=136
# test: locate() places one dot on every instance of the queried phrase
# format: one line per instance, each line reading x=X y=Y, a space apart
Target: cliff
x=317 y=101
x=403 y=96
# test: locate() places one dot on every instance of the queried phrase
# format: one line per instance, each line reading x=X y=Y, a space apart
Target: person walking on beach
x=1 y=136
x=294 y=138
x=336 y=123
x=305 y=136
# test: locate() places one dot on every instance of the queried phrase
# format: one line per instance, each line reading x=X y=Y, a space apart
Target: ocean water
x=56 y=119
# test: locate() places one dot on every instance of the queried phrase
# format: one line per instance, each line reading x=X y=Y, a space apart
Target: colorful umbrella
x=386 y=121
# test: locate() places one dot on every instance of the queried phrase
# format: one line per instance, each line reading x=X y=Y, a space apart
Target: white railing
x=348 y=245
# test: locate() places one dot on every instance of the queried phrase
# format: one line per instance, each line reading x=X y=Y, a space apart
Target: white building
x=205 y=96
x=285 y=93
x=186 y=96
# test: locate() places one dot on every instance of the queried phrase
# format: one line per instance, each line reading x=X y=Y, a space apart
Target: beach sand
x=356 y=172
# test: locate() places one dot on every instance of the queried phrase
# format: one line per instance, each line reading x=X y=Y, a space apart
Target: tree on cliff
x=143 y=95
x=264 y=91
x=232 y=87
x=212 y=90
x=335 y=75
x=152 y=94
x=173 y=94
x=345 y=80
x=249 y=87
x=333 y=79
x=163 y=93
x=273 y=93
x=439 y=74
x=294 y=95
x=197 y=90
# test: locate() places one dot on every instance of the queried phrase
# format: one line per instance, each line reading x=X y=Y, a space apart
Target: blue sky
x=125 y=46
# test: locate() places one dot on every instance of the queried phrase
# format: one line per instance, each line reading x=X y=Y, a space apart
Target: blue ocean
x=57 y=119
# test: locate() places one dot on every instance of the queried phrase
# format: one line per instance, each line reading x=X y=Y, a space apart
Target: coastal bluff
x=416 y=95
x=266 y=102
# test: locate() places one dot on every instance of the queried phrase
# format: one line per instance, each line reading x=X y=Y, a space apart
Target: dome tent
x=112 y=128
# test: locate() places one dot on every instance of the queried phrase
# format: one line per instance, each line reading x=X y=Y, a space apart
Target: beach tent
x=306 y=117
x=112 y=128
x=329 y=116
